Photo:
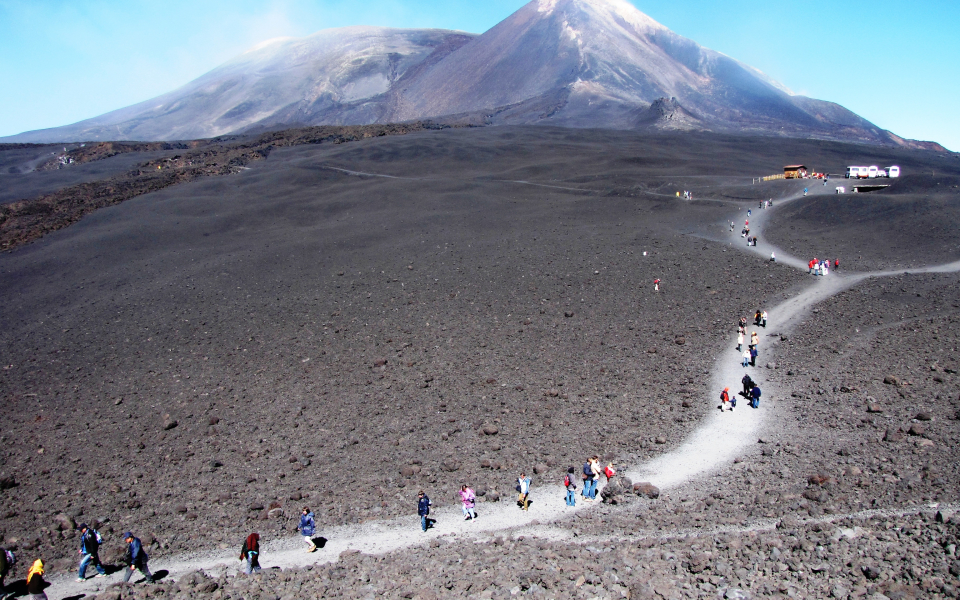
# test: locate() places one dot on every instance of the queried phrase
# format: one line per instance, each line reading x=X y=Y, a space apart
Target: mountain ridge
x=572 y=63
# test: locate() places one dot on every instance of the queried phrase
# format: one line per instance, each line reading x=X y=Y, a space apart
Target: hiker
x=742 y=323
x=423 y=509
x=35 y=582
x=571 y=487
x=90 y=541
x=588 y=482
x=755 y=240
x=756 y=317
x=307 y=528
x=523 y=489
x=136 y=558
x=763 y=319
x=825 y=267
x=7 y=560
x=747 y=385
x=749 y=212
x=804 y=191
x=469 y=500
x=755 y=397
x=773 y=257
x=597 y=471
x=754 y=340
x=250 y=552
x=609 y=471
x=836 y=265
x=746 y=357
x=656 y=285
x=739 y=341
x=753 y=356
x=724 y=398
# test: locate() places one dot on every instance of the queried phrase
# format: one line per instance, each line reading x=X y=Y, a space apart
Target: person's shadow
x=319 y=542
x=158 y=575
x=431 y=523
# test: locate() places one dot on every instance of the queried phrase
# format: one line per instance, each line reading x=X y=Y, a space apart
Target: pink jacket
x=468 y=497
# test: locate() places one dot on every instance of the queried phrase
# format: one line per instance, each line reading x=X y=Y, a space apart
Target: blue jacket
x=423 y=506
x=135 y=553
x=755 y=392
x=88 y=542
x=307 y=524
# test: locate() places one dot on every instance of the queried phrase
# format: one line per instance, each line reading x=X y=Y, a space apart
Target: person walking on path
x=763 y=319
x=307 y=527
x=469 y=500
x=836 y=265
x=571 y=486
x=754 y=339
x=753 y=356
x=724 y=399
x=746 y=357
x=739 y=341
x=755 y=397
x=747 y=385
x=656 y=285
x=597 y=471
x=423 y=509
x=35 y=582
x=136 y=558
x=90 y=541
x=523 y=488
x=250 y=552
x=756 y=317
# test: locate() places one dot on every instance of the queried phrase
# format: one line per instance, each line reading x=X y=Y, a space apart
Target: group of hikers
x=590 y=477
x=135 y=559
x=752 y=351
x=822 y=267
x=750 y=389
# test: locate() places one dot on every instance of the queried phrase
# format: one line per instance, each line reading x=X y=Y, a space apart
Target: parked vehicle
x=857 y=172
x=872 y=171
x=893 y=171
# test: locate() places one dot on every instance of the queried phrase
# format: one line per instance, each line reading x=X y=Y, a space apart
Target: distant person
x=7 y=560
x=773 y=257
x=307 y=527
x=610 y=471
x=749 y=212
x=588 y=482
x=746 y=357
x=423 y=509
x=755 y=397
x=742 y=323
x=753 y=356
x=739 y=341
x=836 y=265
x=35 y=582
x=597 y=471
x=763 y=319
x=724 y=399
x=468 y=500
x=656 y=285
x=523 y=489
x=135 y=558
x=90 y=541
x=250 y=552
x=747 y=385
x=570 y=485
x=757 y=316
x=754 y=340
x=804 y=191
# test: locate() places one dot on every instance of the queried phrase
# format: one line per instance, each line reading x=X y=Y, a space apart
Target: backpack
x=98 y=537
x=609 y=472
x=11 y=558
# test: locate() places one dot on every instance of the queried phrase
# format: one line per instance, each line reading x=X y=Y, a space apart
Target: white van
x=893 y=171
x=852 y=172
x=872 y=171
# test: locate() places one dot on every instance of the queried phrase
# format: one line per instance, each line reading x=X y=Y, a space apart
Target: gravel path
x=719 y=439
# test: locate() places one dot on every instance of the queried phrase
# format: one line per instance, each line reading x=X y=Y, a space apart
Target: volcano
x=571 y=63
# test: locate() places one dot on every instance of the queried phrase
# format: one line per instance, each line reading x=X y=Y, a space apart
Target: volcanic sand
x=718 y=440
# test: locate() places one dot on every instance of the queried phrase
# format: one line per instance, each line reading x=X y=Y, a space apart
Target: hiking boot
x=80 y=579
x=98 y=575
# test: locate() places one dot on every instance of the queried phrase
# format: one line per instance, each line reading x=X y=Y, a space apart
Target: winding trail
x=718 y=439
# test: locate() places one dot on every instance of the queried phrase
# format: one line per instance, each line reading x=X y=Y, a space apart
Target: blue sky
x=894 y=63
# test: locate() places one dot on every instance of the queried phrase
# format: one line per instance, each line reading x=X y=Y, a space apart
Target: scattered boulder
x=540 y=468
x=870 y=572
x=409 y=470
x=169 y=422
x=923 y=416
x=645 y=488
x=893 y=435
x=891 y=380
x=917 y=429
x=661 y=440
x=255 y=507
x=680 y=341
x=8 y=483
x=873 y=407
x=490 y=430
x=450 y=465
x=64 y=522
